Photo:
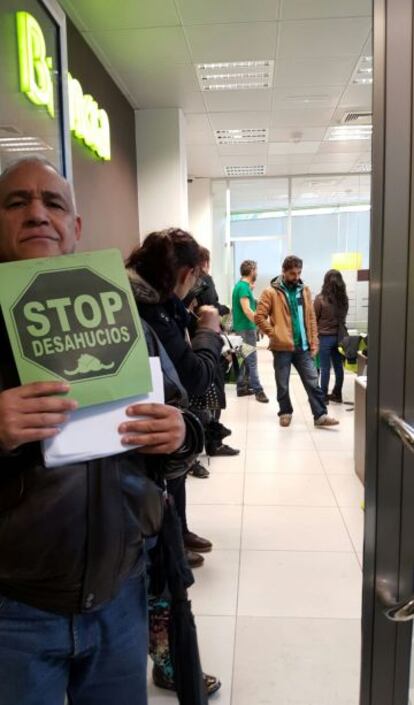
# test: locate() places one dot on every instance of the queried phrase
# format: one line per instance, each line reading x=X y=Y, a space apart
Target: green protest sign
x=74 y=318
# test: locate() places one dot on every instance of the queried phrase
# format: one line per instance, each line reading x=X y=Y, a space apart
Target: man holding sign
x=73 y=615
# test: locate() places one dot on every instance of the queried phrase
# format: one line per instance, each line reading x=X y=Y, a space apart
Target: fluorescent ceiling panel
x=237 y=136
x=235 y=75
x=363 y=74
x=345 y=133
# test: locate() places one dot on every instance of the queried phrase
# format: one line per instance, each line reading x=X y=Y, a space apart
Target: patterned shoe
x=162 y=681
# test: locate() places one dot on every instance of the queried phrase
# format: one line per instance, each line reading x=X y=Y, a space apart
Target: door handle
x=400 y=427
x=401 y=611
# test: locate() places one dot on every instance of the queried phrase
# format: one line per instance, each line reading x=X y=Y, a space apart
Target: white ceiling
x=150 y=48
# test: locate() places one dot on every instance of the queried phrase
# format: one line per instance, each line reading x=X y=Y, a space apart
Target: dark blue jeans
x=328 y=352
x=249 y=374
x=98 y=658
x=302 y=361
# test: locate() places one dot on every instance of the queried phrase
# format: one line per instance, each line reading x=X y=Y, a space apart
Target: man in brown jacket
x=285 y=314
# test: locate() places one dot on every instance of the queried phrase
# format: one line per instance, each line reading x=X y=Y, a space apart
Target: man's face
x=37 y=216
x=292 y=276
x=253 y=276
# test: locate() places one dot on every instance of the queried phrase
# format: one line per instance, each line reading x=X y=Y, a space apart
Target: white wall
x=162 y=170
x=200 y=220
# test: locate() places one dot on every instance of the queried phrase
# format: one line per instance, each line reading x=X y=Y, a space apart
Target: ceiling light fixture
x=339 y=133
x=242 y=135
x=363 y=73
x=235 y=75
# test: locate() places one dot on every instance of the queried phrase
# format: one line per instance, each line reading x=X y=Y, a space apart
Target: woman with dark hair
x=162 y=271
x=331 y=309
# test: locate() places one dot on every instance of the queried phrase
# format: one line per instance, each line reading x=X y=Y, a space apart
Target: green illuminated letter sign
x=88 y=122
x=34 y=65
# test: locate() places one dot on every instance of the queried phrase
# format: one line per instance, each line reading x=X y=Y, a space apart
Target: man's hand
x=314 y=352
x=32 y=412
x=160 y=429
x=208 y=317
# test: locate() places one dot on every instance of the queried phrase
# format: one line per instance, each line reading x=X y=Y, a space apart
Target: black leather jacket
x=70 y=536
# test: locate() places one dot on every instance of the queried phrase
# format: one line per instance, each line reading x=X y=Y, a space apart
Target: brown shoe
x=197 y=543
x=261 y=396
x=285 y=419
x=194 y=559
x=324 y=421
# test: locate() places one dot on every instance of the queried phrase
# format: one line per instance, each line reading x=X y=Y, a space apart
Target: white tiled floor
x=277 y=602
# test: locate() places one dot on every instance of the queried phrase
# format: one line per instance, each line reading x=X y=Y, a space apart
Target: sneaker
x=245 y=392
x=285 y=419
x=161 y=680
x=261 y=396
x=198 y=470
x=196 y=543
x=324 y=421
x=194 y=559
x=222 y=450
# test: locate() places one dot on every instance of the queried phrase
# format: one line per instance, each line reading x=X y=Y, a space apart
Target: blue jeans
x=302 y=361
x=248 y=375
x=328 y=352
x=99 y=658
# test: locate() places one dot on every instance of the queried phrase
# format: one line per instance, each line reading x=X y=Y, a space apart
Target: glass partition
x=325 y=220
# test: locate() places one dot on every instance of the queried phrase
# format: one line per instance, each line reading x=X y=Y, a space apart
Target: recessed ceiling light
x=340 y=133
x=23 y=144
x=258 y=170
x=364 y=167
x=243 y=135
x=235 y=75
x=363 y=73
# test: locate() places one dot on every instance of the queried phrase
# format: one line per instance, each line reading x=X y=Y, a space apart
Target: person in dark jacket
x=73 y=607
x=208 y=296
x=163 y=270
x=205 y=294
x=331 y=308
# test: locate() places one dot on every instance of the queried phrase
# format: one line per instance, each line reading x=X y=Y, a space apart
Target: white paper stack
x=92 y=432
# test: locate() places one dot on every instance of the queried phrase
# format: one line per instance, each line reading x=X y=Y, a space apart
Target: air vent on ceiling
x=258 y=170
x=357 y=117
x=259 y=134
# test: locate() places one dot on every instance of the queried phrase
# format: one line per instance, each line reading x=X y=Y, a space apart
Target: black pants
x=176 y=488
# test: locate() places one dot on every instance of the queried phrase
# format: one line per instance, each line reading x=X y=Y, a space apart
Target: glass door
x=388 y=596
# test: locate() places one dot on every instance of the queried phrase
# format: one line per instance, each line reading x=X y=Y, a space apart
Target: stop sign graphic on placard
x=82 y=328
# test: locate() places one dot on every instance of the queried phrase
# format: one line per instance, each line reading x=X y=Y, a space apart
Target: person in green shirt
x=244 y=307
